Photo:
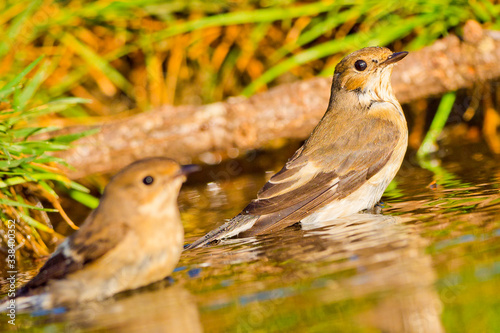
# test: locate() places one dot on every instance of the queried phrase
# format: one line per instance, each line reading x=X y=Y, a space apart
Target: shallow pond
x=429 y=263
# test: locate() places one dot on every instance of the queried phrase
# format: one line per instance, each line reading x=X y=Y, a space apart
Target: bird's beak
x=395 y=57
x=190 y=168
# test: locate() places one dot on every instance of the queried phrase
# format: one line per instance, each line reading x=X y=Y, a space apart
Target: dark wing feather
x=279 y=200
x=341 y=168
x=94 y=239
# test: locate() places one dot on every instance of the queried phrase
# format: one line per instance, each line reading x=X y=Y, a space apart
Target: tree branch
x=287 y=111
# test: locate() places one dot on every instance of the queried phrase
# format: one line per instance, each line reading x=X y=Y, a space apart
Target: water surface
x=429 y=263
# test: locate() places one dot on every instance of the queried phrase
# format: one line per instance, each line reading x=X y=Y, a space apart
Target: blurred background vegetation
x=131 y=56
x=125 y=57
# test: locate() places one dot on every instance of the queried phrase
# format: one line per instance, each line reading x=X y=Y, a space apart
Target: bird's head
x=150 y=184
x=368 y=71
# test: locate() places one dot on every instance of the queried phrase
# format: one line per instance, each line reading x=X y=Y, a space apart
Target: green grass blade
x=22 y=99
x=242 y=17
x=382 y=35
x=4 y=201
x=429 y=144
x=35 y=224
x=9 y=88
x=12 y=181
x=17 y=27
x=84 y=198
x=47 y=188
x=68 y=138
x=79 y=187
x=25 y=133
x=96 y=61
x=11 y=163
x=321 y=28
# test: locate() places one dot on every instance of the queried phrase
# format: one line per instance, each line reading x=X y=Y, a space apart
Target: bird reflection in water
x=360 y=256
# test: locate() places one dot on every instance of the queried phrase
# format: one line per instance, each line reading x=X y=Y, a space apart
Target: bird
x=133 y=238
x=346 y=163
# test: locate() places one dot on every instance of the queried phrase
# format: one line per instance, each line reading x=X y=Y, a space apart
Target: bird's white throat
x=377 y=89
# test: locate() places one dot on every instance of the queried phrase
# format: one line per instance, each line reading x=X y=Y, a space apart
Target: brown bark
x=286 y=111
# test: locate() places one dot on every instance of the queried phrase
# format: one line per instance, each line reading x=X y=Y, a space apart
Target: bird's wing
x=231 y=228
x=319 y=174
x=95 y=238
x=313 y=177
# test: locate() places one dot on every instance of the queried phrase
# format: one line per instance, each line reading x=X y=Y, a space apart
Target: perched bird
x=347 y=162
x=133 y=238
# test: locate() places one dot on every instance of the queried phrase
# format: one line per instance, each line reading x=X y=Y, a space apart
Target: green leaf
x=68 y=138
x=242 y=17
x=321 y=28
x=12 y=181
x=84 y=198
x=96 y=61
x=429 y=143
x=17 y=30
x=27 y=93
x=79 y=187
x=24 y=133
x=382 y=35
x=35 y=224
x=4 y=201
x=8 y=89
x=13 y=163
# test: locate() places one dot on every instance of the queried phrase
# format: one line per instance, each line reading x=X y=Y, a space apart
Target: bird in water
x=347 y=162
x=133 y=238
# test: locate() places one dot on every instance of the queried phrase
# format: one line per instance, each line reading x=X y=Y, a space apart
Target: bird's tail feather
x=25 y=303
x=231 y=228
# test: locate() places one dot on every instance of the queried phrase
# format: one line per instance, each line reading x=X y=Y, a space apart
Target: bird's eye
x=148 y=180
x=360 y=65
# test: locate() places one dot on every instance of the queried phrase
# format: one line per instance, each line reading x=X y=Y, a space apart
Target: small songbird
x=348 y=161
x=133 y=238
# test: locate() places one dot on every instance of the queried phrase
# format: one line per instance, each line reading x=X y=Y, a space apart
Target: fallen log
x=287 y=111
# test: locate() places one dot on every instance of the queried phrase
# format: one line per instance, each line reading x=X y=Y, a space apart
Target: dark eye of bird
x=360 y=65
x=148 y=180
